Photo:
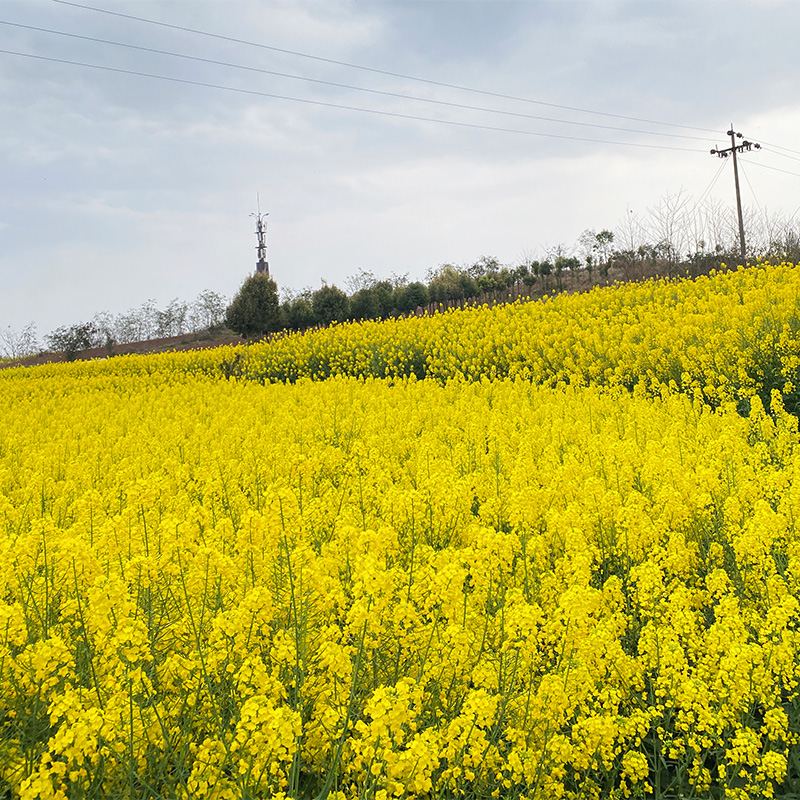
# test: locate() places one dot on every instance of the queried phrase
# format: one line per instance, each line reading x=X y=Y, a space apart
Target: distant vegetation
x=722 y=339
x=205 y=313
x=675 y=237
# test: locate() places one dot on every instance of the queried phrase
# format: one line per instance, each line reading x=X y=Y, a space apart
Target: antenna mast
x=262 y=265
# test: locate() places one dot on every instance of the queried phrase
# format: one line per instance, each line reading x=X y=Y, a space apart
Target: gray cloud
x=120 y=188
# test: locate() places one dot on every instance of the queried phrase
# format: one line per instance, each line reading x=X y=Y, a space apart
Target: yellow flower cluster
x=566 y=565
x=361 y=588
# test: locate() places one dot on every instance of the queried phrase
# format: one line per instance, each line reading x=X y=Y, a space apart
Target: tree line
x=205 y=313
x=676 y=236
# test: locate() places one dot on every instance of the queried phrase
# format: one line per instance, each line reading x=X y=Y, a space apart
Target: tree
x=525 y=272
x=298 y=313
x=172 y=320
x=567 y=262
x=602 y=246
x=492 y=281
x=330 y=304
x=485 y=265
x=70 y=340
x=668 y=227
x=18 y=344
x=208 y=312
x=384 y=293
x=255 y=310
x=364 y=279
x=413 y=296
x=364 y=304
x=450 y=283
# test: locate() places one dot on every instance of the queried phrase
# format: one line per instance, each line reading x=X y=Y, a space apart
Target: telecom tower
x=262 y=265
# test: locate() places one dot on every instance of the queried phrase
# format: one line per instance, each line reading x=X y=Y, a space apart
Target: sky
x=390 y=142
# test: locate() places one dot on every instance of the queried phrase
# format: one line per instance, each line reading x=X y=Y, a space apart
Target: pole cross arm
x=744 y=147
x=739 y=148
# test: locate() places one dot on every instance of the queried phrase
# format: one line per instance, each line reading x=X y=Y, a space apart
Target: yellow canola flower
x=222 y=589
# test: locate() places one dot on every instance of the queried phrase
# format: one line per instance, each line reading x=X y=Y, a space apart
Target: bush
x=298 y=314
x=330 y=304
x=413 y=296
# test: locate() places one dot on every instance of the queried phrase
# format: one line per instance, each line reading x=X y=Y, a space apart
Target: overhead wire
x=712 y=183
x=374 y=69
x=766 y=166
x=394 y=114
x=461 y=106
x=779 y=147
x=769 y=149
x=752 y=190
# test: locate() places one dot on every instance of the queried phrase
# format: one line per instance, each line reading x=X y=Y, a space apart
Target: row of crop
x=218 y=589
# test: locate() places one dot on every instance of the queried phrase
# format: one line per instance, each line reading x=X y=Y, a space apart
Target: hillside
x=539 y=550
x=570 y=282
x=723 y=337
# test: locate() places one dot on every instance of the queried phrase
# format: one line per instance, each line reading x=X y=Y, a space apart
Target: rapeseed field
x=547 y=550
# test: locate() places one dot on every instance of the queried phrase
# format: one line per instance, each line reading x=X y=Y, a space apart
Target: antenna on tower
x=262 y=265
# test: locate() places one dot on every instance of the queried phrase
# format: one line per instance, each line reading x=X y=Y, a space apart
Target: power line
x=752 y=190
x=785 y=155
x=462 y=106
x=779 y=147
x=709 y=188
x=375 y=70
x=774 y=169
x=256 y=93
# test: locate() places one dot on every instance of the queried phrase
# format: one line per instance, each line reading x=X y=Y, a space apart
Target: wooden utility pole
x=745 y=146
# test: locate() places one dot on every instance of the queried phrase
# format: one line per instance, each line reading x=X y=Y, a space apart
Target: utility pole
x=745 y=146
x=262 y=265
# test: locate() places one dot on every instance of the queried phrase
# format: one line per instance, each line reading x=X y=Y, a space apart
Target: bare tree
x=363 y=279
x=398 y=280
x=207 y=313
x=105 y=326
x=173 y=320
x=629 y=233
x=585 y=247
x=787 y=243
x=148 y=315
x=129 y=327
x=668 y=228
x=18 y=344
x=717 y=225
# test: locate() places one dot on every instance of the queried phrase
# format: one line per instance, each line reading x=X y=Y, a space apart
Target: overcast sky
x=117 y=188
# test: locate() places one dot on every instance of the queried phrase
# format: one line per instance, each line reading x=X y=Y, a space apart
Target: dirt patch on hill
x=188 y=341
